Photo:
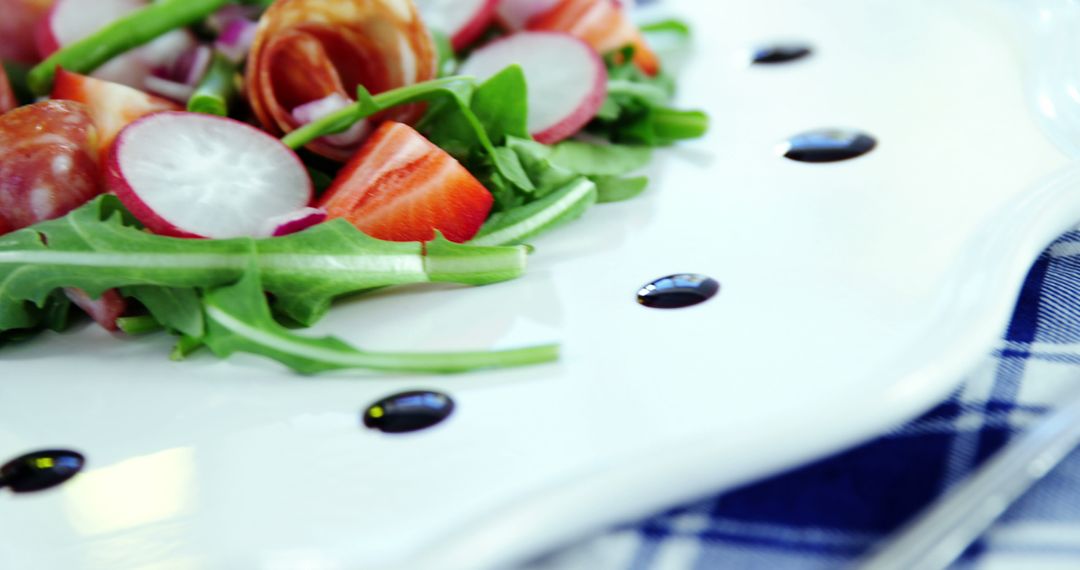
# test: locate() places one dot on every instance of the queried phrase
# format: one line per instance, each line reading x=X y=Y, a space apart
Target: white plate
x=855 y=294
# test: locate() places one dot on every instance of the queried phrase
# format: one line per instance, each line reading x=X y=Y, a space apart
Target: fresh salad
x=223 y=171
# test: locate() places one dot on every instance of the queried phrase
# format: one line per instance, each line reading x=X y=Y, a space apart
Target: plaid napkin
x=829 y=513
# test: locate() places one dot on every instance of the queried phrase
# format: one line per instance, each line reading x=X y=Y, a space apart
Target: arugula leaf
x=306 y=271
x=94 y=248
x=524 y=222
x=239 y=320
x=174 y=308
x=501 y=104
x=616 y=189
x=56 y=316
x=600 y=159
x=535 y=158
x=637 y=108
x=454 y=126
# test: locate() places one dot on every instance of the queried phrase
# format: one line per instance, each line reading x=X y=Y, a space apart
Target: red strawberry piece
x=401 y=187
x=113 y=106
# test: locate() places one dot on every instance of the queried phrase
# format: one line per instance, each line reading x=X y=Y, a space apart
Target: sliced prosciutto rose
x=7 y=96
x=48 y=162
x=307 y=51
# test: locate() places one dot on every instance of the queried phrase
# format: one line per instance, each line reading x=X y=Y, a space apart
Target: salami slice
x=7 y=96
x=48 y=167
x=308 y=50
x=48 y=162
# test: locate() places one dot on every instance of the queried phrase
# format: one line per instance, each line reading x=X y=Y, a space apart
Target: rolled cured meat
x=48 y=162
x=309 y=50
x=7 y=96
x=48 y=167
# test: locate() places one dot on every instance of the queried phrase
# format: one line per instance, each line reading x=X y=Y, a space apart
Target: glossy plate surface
x=853 y=295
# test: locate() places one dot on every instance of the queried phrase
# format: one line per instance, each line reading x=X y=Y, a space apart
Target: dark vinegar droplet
x=828 y=145
x=40 y=470
x=770 y=55
x=408 y=411
x=677 y=291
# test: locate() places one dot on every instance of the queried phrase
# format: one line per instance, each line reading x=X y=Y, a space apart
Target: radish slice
x=104 y=310
x=514 y=14
x=194 y=175
x=69 y=21
x=567 y=80
x=461 y=20
x=297 y=221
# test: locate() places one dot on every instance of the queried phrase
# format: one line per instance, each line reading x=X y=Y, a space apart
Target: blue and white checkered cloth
x=829 y=513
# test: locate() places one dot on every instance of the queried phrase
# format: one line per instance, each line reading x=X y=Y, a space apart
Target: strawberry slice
x=112 y=106
x=603 y=24
x=401 y=187
x=7 y=96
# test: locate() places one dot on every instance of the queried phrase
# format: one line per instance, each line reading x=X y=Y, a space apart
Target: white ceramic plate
x=855 y=294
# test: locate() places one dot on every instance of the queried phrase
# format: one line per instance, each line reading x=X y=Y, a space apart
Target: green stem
x=122 y=35
x=216 y=88
x=185 y=345
x=673 y=124
x=138 y=325
x=342 y=119
x=670 y=26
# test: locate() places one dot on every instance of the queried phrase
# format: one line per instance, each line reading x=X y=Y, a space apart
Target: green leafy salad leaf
x=239 y=320
x=99 y=247
x=638 y=107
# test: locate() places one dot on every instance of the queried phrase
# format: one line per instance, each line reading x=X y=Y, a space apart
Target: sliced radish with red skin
x=194 y=175
x=291 y=223
x=463 y=21
x=514 y=14
x=69 y=21
x=104 y=310
x=567 y=80
x=603 y=24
